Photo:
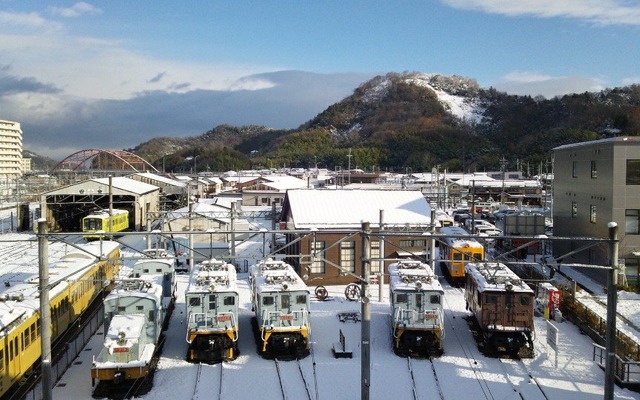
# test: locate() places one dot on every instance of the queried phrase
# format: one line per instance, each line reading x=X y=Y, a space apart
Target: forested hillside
x=412 y=121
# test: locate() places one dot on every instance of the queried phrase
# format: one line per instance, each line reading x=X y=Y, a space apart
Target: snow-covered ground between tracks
x=462 y=371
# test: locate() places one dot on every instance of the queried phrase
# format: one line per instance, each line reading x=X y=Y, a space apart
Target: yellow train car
x=76 y=279
x=457 y=248
x=118 y=221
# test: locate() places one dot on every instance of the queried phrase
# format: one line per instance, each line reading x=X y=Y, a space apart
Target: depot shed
x=65 y=207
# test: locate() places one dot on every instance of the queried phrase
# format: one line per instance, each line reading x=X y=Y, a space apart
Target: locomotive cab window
x=418 y=300
x=139 y=308
x=301 y=299
x=229 y=300
x=194 y=301
x=491 y=299
x=435 y=299
x=285 y=301
x=525 y=300
x=212 y=301
x=401 y=298
x=267 y=301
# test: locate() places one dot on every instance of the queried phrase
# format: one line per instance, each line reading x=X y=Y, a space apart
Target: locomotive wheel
x=352 y=292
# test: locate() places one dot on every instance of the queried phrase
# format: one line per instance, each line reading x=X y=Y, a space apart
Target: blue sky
x=113 y=74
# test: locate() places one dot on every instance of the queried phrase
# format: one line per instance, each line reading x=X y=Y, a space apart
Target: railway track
x=209 y=380
x=293 y=388
x=522 y=380
x=471 y=354
x=424 y=379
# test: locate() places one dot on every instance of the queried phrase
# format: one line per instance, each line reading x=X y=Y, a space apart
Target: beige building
x=596 y=183
x=11 y=165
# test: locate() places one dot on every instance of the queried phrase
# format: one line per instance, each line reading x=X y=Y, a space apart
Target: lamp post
x=503 y=164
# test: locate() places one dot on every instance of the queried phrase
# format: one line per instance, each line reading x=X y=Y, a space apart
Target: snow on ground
x=462 y=371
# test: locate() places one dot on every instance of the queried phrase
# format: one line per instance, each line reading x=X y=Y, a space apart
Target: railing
x=203 y=321
x=627 y=372
x=428 y=319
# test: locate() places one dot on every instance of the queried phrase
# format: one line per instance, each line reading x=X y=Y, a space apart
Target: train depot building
x=322 y=240
x=65 y=207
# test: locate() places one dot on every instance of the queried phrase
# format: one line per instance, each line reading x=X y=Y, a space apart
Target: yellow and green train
x=117 y=221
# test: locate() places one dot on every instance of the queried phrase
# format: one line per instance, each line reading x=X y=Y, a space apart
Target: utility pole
x=612 y=299
x=45 y=311
x=365 y=349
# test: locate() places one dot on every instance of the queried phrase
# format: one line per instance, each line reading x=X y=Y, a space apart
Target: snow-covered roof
x=492 y=276
x=19 y=295
x=272 y=276
x=127 y=184
x=162 y=179
x=213 y=275
x=413 y=275
x=349 y=208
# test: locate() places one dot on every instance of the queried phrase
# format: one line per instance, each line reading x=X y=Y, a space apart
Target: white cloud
x=633 y=80
x=97 y=68
x=606 y=12
x=535 y=83
x=76 y=10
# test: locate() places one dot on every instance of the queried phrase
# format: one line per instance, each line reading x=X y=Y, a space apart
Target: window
x=574 y=209
x=632 y=222
x=525 y=300
x=491 y=299
x=348 y=256
x=633 y=172
x=212 y=302
x=229 y=300
x=375 y=253
x=301 y=299
x=194 y=302
x=418 y=300
x=435 y=299
x=594 y=169
x=139 y=308
x=317 y=263
x=413 y=243
x=267 y=301
x=285 y=301
x=592 y=213
x=152 y=315
x=401 y=298
x=574 y=169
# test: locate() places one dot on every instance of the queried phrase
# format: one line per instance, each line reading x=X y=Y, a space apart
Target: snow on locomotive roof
x=272 y=275
x=218 y=273
x=148 y=287
x=413 y=275
x=458 y=241
x=496 y=277
x=19 y=293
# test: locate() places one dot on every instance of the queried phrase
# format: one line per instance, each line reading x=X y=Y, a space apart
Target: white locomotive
x=280 y=300
x=212 y=309
x=417 y=317
x=135 y=311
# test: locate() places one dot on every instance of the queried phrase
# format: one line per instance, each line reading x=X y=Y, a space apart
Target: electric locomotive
x=212 y=310
x=136 y=312
x=134 y=317
x=503 y=308
x=417 y=318
x=280 y=300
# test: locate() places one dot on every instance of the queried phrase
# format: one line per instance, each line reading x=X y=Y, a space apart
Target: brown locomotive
x=502 y=306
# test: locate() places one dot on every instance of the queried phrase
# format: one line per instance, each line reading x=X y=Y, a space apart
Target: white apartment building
x=11 y=165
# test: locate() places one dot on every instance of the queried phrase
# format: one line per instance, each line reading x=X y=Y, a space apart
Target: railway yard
x=461 y=372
